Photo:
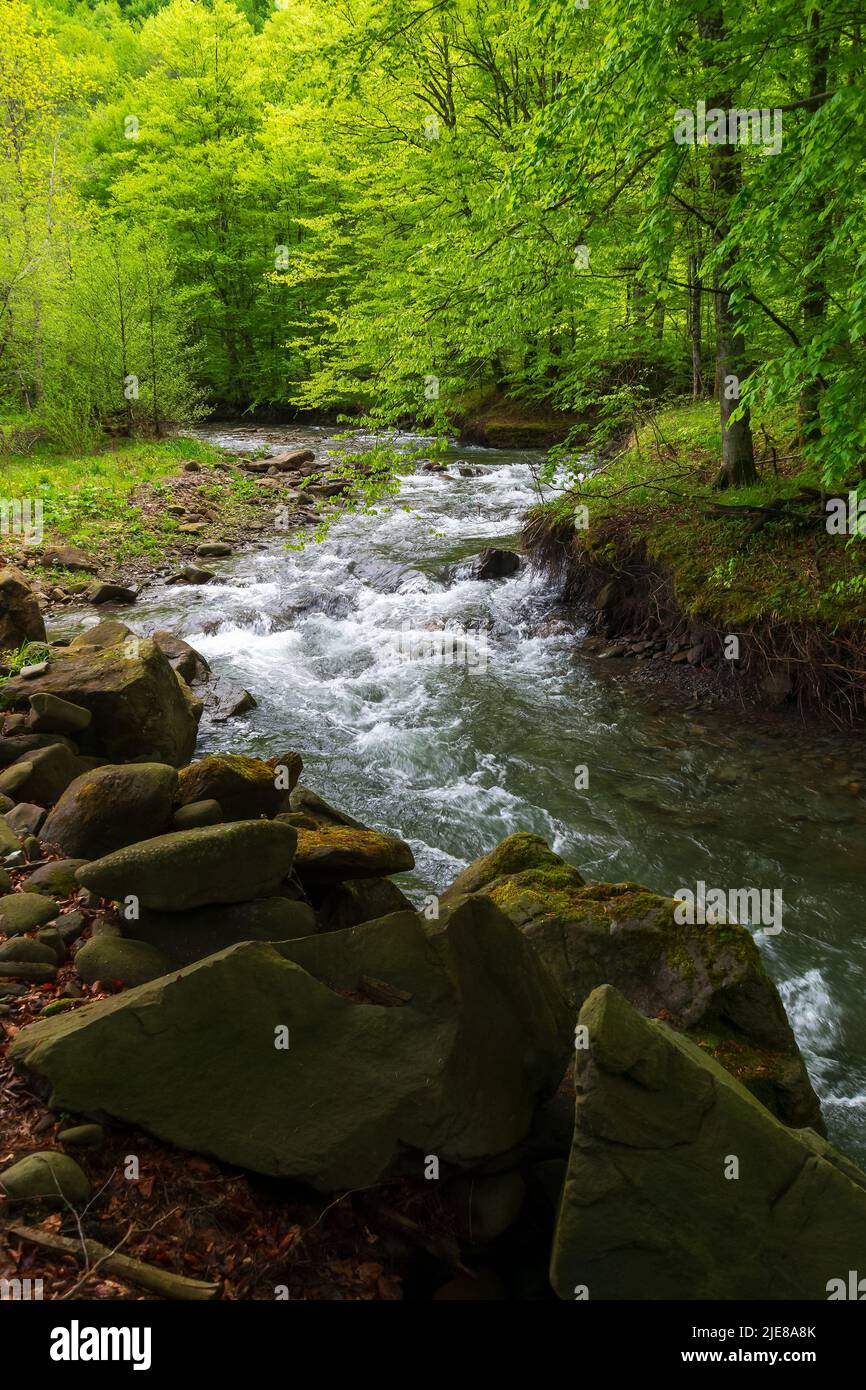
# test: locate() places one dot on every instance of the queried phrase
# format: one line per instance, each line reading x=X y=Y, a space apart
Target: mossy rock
x=245 y=788
x=192 y=868
x=49 y=1177
x=110 y=807
x=24 y=912
x=185 y=937
x=119 y=958
x=702 y=979
x=138 y=708
x=334 y=853
x=682 y=1186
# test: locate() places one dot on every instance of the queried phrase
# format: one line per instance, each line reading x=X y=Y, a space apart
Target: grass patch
x=657 y=498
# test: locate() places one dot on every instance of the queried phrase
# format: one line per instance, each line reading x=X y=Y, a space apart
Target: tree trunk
x=815 y=296
x=738 y=456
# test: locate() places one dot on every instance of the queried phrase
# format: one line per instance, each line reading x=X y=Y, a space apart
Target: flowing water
x=456 y=756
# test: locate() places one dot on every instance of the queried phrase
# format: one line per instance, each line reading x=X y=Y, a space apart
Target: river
x=453 y=757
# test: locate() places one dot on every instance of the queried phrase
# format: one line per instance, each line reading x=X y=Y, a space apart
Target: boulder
x=120 y=959
x=308 y=803
x=185 y=659
x=20 y=614
x=336 y=852
x=133 y=694
x=15 y=747
x=40 y=777
x=474 y=1034
x=68 y=557
x=197 y=813
x=56 y=879
x=23 y=912
x=25 y=818
x=244 y=787
x=51 y=715
x=288 y=462
x=105 y=592
x=360 y=900
x=191 y=574
x=9 y=841
x=213 y=550
x=111 y=807
x=49 y=1177
x=105 y=634
x=191 y=868
x=682 y=1186
x=185 y=937
x=495 y=564
x=708 y=981
x=22 y=948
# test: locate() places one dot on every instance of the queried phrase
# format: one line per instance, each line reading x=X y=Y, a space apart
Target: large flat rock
x=405 y=1038
x=681 y=1185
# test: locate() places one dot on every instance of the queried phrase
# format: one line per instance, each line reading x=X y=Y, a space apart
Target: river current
x=335 y=643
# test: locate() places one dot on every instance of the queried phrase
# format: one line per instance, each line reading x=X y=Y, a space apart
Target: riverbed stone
x=25 y=818
x=197 y=813
x=24 y=912
x=105 y=634
x=709 y=981
x=41 y=776
x=55 y=879
x=20 y=615
x=192 y=868
x=22 y=948
x=113 y=806
x=479 y=1036
x=184 y=937
x=51 y=715
x=133 y=694
x=358 y=900
x=649 y=1209
x=50 y=1177
x=245 y=788
x=184 y=658
x=15 y=747
x=333 y=853
x=125 y=959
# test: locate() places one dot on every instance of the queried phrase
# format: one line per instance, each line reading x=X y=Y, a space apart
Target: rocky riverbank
x=216 y=998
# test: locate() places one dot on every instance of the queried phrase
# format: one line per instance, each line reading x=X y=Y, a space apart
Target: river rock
x=308 y=803
x=213 y=549
x=111 y=807
x=495 y=564
x=68 y=557
x=25 y=818
x=20 y=614
x=706 y=980
x=42 y=776
x=49 y=1177
x=9 y=841
x=191 y=574
x=335 y=852
x=192 y=868
x=106 y=592
x=51 y=715
x=23 y=912
x=56 y=879
x=456 y=1069
x=184 y=937
x=15 y=747
x=244 y=787
x=185 y=659
x=122 y=959
x=650 y=1210
x=197 y=813
x=22 y=948
x=359 y=900
x=133 y=694
x=105 y=634
x=289 y=462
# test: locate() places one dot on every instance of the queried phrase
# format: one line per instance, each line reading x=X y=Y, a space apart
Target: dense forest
x=433 y=665
x=392 y=207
